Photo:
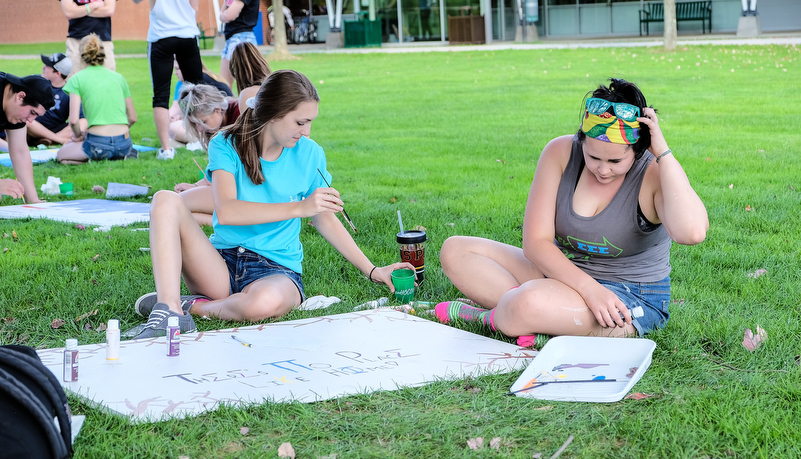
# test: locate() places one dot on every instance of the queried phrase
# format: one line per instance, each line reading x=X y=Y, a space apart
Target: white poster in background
x=100 y=212
x=301 y=360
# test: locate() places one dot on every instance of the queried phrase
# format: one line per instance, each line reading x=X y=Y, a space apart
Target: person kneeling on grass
x=603 y=208
x=266 y=175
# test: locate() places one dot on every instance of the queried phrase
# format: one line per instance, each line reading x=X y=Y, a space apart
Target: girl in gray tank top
x=603 y=208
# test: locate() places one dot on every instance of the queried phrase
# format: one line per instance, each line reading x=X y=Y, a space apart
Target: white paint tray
x=584 y=358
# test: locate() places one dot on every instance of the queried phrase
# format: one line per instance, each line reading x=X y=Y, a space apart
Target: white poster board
x=100 y=212
x=302 y=360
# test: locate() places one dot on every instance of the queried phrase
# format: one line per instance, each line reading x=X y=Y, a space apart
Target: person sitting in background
x=23 y=99
x=109 y=110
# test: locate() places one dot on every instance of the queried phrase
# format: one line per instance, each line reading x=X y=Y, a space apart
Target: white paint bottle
x=71 y=360
x=173 y=337
x=113 y=340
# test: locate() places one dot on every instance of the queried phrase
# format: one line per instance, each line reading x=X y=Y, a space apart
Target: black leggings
x=161 y=55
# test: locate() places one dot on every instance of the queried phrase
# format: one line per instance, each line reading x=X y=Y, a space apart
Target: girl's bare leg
x=179 y=246
x=271 y=296
x=549 y=307
x=484 y=270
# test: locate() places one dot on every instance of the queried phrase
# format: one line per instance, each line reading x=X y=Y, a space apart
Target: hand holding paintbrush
x=344 y=214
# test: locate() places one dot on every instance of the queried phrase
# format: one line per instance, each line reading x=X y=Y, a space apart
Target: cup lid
x=411 y=237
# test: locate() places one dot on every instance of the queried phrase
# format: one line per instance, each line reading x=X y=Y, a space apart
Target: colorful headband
x=610 y=128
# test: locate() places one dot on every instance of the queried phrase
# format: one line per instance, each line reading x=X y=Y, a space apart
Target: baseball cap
x=59 y=62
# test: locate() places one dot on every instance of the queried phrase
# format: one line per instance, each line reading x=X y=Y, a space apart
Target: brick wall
x=40 y=21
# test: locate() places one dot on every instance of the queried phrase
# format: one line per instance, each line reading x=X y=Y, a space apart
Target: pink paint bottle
x=173 y=337
x=71 y=360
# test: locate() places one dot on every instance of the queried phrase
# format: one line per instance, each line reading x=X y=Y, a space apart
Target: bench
x=685 y=11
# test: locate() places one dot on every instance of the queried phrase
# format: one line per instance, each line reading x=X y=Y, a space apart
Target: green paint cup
x=66 y=189
x=403 y=281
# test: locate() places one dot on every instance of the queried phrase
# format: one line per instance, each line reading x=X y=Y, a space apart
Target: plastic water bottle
x=173 y=337
x=113 y=340
x=71 y=360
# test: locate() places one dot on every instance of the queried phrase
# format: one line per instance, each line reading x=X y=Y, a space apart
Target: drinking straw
x=400 y=222
x=344 y=214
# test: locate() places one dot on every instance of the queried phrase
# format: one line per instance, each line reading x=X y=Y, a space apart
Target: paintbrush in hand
x=344 y=214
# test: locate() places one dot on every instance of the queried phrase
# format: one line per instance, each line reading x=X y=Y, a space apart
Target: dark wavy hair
x=281 y=93
x=620 y=90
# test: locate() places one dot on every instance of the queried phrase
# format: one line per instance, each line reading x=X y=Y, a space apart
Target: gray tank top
x=610 y=246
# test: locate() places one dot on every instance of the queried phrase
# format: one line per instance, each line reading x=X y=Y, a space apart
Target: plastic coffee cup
x=66 y=189
x=413 y=249
x=403 y=281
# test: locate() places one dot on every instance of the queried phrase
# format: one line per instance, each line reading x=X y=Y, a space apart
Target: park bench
x=685 y=11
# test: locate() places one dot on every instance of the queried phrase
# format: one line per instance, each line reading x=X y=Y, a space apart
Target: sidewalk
x=783 y=38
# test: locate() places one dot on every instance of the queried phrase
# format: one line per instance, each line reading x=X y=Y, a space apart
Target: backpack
x=30 y=398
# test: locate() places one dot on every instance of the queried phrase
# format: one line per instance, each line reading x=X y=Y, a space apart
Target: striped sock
x=537 y=341
x=450 y=310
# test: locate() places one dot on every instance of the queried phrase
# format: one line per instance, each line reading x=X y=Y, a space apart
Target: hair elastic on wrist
x=669 y=151
x=370 y=276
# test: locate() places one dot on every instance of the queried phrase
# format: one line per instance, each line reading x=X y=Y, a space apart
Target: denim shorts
x=246 y=266
x=654 y=298
x=237 y=38
x=99 y=147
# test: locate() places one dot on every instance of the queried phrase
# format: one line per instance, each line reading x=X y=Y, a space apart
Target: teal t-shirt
x=290 y=178
x=103 y=93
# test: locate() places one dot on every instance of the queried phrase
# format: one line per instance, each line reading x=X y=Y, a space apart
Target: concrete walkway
x=785 y=38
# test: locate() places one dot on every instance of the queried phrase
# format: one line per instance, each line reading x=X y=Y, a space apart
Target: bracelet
x=669 y=151
x=88 y=11
x=370 y=276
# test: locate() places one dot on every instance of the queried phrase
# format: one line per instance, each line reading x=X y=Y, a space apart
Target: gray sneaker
x=157 y=322
x=145 y=303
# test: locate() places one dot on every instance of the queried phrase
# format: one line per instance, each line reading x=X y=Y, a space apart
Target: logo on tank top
x=593 y=249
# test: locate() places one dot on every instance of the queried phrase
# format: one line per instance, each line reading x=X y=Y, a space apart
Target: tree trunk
x=670 y=25
x=280 y=48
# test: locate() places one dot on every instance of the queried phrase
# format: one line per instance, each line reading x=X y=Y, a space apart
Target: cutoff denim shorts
x=237 y=38
x=246 y=266
x=654 y=297
x=100 y=147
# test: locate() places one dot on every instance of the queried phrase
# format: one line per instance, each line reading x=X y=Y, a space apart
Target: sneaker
x=166 y=154
x=144 y=305
x=157 y=322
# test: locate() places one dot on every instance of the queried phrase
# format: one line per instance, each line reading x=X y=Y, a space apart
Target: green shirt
x=103 y=93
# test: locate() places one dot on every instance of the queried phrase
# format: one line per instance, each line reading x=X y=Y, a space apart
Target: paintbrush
x=201 y=169
x=344 y=214
x=540 y=384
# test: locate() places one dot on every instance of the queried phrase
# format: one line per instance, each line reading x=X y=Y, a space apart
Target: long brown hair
x=281 y=93
x=248 y=66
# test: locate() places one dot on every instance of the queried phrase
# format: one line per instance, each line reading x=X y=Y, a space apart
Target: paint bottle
x=71 y=360
x=372 y=304
x=113 y=340
x=173 y=337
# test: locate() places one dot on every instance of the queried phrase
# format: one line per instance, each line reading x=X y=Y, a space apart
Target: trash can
x=362 y=33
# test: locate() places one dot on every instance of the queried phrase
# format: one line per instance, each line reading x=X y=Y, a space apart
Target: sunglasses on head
x=626 y=112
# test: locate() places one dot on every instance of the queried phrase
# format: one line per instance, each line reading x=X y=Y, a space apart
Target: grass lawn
x=452 y=140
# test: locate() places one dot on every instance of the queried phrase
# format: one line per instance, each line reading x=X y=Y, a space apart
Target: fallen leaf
x=638 y=396
x=751 y=341
x=80 y=227
x=495 y=443
x=95 y=282
x=101 y=327
x=544 y=408
x=791 y=187
x=244 y=430
x=94 y=258
x=536 y=456
x=98 y=189
x=88 y=326
x=475 y=443
x=7 y=320
x=5 y=234
x=500 y=161
x=412 y=201
x=57 y=323
x=233 y=447
x=14 y=235
x=392 y=199
x=748 y=208
x=286 y=450
x=757 y=273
